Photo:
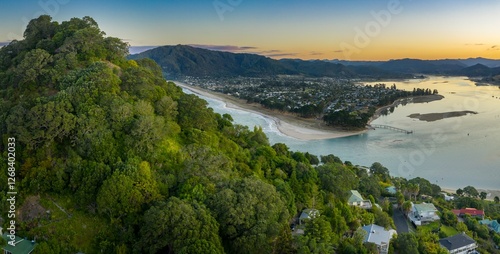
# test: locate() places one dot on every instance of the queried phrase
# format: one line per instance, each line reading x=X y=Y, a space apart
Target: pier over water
x=381 y=126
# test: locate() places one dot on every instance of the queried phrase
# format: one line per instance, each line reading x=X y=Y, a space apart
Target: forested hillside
x=111 y=158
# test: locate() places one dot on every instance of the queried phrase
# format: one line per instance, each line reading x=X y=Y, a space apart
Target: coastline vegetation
x=111 y=158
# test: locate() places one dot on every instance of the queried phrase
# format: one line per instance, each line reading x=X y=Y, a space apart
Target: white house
x=459 y=244
x=423 y=213
x=308 y=214
x=355 y=199
x=447 y=197
x=379 y=236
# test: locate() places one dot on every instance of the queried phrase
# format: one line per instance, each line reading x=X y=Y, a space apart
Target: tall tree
x=251 y=215
x=406 y=243
x=180 y=227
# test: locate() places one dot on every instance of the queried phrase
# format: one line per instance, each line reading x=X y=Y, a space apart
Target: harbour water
x=452 y=152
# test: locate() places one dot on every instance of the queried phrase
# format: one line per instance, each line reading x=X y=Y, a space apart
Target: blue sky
x=426 y=29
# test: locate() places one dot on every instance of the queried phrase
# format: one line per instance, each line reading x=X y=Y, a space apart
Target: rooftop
x=456 y=242
x=425 y=207
x=469 y=211
x=377 y=234
x=22 y=246
x=355 y=196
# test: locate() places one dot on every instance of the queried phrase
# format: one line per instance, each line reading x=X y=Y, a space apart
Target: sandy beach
x=288 y=124
x=491 y=194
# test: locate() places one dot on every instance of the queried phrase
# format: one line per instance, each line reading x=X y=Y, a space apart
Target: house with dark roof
x=470 y=211
x=355 y=199
x=459 y=244
x=379 y=236
x=18 y=245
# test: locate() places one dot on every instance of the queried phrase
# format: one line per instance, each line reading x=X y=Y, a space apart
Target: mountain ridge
x=184 y=60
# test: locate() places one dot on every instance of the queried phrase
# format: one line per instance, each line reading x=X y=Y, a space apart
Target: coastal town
x=339 y=102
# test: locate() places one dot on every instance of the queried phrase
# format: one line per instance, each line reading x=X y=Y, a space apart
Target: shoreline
x=491 y=193
x=416 y=99
x=288 y=124
x=313 y=129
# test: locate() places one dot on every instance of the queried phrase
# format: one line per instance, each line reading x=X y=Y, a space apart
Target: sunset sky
x=313 y=29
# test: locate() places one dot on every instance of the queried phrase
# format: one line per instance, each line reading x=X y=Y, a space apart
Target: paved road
x=400 y=221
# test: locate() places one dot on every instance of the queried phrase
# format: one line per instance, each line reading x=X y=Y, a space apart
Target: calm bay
x=452 y=152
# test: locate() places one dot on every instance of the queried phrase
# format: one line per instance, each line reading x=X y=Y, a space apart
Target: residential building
x=21 y=245
x=423 y=213
x=447 y=197
x=492 y=225
x=379 y=236
x=470 y=211
x=391 y=190
x=308 y=214
x=355 y=199
x=459 y=244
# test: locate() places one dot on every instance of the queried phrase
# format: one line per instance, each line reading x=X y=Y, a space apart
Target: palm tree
x=407 y=207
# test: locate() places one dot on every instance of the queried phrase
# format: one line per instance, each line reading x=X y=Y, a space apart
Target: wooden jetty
x=381 y=126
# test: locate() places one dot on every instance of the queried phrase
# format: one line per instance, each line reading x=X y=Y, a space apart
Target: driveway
x=400 y=221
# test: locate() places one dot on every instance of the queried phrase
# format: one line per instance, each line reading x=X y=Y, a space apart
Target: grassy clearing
x=449 y=231
x=74 y=228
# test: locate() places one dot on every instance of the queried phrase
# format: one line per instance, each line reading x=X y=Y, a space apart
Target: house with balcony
x=459 y=244
x=423 y=213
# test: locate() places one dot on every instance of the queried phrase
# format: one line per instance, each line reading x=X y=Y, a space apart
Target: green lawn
x=431 y=227
x=449 y=231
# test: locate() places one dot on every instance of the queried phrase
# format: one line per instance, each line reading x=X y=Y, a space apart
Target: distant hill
x=422 y=66
x=491 y=63
x=184 y=60
x=190 y=61
x=478 y=70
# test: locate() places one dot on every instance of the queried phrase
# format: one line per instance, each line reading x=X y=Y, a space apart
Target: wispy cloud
x=281 y=54
x=314 y=53
x=229 y=48
x=494 y=47
x=474 y=44
x=338 y=51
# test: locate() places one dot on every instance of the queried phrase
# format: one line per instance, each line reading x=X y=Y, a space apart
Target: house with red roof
x=473 y=212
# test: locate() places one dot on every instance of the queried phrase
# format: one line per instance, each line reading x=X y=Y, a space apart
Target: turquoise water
x=453 y=152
